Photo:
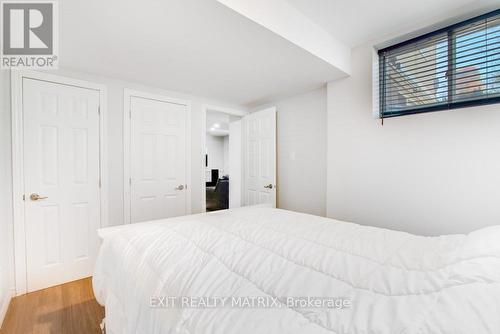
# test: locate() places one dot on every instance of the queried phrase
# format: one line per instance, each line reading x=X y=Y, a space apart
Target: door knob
x=36 y=197
x=179 y=187
x=269 y=186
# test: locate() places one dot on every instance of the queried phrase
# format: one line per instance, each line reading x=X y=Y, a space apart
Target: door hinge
x=100 y=183
x=130 y=113
x=130 y=181
x=99 y=110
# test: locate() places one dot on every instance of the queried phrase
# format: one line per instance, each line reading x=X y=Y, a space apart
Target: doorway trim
x=19 y=228
x=127 y=181
x=204 y=109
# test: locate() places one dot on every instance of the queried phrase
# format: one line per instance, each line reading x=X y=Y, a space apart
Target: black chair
x=222 y=193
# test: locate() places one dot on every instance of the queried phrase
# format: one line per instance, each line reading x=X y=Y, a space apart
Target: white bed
x=396 y=282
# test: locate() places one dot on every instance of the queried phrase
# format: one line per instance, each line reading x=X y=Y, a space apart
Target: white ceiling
x=217 y=123
x=357 y=22
x=202 y=47
x=197 y=47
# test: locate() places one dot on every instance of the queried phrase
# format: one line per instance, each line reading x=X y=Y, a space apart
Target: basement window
x=457 y=66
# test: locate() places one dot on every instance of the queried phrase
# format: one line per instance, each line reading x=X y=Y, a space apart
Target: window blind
x=457 y=66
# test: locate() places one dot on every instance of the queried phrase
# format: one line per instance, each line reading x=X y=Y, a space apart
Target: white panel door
x=61 y=180
x=260 y=157
x=158 y=159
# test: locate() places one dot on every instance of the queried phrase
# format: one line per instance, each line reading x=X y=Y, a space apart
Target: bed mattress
x=171 y=276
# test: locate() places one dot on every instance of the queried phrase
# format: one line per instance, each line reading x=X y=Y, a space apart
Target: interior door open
x=259 y=137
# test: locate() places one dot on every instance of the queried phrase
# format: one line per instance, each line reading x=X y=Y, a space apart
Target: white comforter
x=396 y=282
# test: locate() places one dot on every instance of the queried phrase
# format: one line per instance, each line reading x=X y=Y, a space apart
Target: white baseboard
x=5 y=305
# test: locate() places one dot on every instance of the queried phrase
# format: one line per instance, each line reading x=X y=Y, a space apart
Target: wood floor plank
x=68 y=308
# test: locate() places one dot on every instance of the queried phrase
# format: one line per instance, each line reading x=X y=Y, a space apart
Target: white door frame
x=127 y=96
x=18 y=203
x=204 y=109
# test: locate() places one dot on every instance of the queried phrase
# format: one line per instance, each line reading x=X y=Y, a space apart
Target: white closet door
x=260 y=157
x=158 y=159
x=61 y=166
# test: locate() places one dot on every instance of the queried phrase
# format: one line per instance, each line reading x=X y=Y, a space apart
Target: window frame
x=449 y=30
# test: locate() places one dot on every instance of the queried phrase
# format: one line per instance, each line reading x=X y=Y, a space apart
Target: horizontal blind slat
x=443 y=50
x=464 y=66
x=432 y=82
x=484 y=44
x=458 y=61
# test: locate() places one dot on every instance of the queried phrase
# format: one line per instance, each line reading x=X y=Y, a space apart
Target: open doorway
x=239 y=163
x=222 y=160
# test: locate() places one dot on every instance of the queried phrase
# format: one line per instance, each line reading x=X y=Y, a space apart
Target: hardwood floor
x=64 y=309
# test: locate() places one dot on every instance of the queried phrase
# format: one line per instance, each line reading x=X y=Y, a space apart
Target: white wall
x=6 y=241
x=235 y=163
x=225 y=156
x=215 y=150
x=434 y=173
x=115 y=158
x=301 y=150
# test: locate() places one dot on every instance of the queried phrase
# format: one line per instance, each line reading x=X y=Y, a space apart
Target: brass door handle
x=269 y=186
x=36 y=197
x=179 y=187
